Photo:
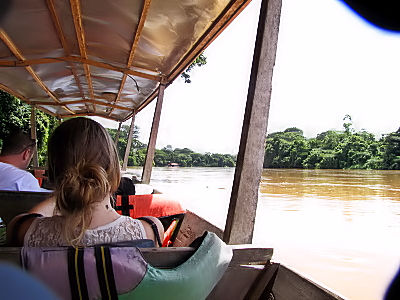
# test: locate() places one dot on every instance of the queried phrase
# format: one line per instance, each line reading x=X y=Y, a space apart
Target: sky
x=329 y=63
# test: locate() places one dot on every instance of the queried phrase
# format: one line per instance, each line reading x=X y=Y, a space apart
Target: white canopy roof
x=103 y=58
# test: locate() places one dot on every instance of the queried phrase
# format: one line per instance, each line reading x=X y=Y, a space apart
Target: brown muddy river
x=340 y=228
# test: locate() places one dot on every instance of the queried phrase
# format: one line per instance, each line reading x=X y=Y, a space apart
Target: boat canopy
x=103 y=58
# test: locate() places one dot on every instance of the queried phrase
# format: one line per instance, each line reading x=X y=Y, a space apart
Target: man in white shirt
x=16 y=154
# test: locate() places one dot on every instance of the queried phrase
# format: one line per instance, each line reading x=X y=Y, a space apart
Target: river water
x=341 y=228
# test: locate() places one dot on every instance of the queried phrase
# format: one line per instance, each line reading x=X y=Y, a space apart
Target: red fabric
x=39 y=174
x=169 y=232
x=156 y=205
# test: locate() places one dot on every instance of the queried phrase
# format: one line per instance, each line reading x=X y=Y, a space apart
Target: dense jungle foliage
x=15 y=114
x=346 y=149
x=184 y=157
x=332 y=149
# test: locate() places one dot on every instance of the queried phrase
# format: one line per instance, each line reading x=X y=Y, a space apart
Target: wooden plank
x=243 y=204
x=151 y=146
x=251 y=256
x=292 y=286
x=143 y=16
x=33 y=136
x=262 y=286
x=129 y=144
x=235 y=283
x=192 y=227
x=14 y=203
x=30 y=62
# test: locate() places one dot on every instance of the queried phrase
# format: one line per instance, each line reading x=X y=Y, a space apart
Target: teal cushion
x=193 y=279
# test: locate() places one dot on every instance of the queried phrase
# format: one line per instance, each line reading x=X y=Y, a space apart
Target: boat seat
x=13 y=203
x=100 y=271
x=246 y=268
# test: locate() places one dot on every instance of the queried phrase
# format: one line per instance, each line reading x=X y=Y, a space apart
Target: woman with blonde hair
x=84 y=169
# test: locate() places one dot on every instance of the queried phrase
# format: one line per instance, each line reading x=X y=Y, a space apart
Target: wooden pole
x=117 y=134
x=148 y=164
x=129 y=144
x=33 y=136
x=243 y=204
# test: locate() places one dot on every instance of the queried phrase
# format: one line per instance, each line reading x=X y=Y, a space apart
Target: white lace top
x=46 y=232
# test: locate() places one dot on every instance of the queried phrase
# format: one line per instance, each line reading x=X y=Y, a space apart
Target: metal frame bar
x=148 y=164
x=92 y=114
x=17 y=53
x=117 y=134
x=35 y=158
x=76 y=59
x=225 y=18
x=61 y=36
x=129 y=143
x=80 y=35
x=115 y=106
x=143 y=16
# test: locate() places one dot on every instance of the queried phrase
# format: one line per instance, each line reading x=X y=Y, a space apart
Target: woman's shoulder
x=47 y=221
x=52 y=223
x=44 y=231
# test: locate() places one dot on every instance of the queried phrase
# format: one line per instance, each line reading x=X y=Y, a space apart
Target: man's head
x=17 y=149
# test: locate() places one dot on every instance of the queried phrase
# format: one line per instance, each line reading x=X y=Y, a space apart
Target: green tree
x=391 y=151
x=201 y=60
x=332 y=149
x=15 y=114
x=286 y=149
x=123 y=141
x=348 y=123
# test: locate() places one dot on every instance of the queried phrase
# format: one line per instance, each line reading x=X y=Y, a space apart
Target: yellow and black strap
x=76 y=274
x=105 y=273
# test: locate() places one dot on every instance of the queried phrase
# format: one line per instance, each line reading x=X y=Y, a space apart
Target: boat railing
x=249 y=267
x=13 y=203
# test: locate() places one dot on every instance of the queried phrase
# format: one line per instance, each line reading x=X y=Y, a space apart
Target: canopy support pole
x=35 y=159
x=148 y=164
x=240 y=221
x=129 y=144
x=117 y=135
